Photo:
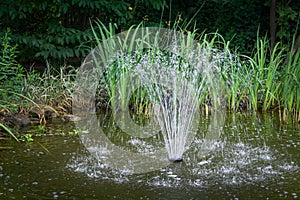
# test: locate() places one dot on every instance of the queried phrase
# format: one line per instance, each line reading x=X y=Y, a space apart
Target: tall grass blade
x=9 y=131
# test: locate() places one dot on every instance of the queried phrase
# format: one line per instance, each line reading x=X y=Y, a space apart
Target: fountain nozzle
x=177 y=160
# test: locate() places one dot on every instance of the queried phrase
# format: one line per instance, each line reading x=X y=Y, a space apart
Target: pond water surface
x=256 y=157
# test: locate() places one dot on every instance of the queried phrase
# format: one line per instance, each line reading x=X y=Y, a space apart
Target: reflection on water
x=255 y=157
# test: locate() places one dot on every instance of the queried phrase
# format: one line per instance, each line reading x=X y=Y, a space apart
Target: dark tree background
x=60 y=30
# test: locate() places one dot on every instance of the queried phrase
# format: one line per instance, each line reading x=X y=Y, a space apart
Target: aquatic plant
x=50 y=91
x=290 y=86
x=273 y=82
x=251 y=83
x=265 y=81
x=9 y=131
x=264 y=75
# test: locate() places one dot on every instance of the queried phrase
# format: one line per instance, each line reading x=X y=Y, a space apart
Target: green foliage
x=52 y=88
x=29 y=139
x=290 y=84
x=26 y=138
x=11 y=73
x=8 y=51
x=265 y=75
x=156 y=4
x=287 y=22
x=56 y=29
x=39 y=130
x=237 y=21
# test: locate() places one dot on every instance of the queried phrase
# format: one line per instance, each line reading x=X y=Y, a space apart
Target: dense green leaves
x=58 y=29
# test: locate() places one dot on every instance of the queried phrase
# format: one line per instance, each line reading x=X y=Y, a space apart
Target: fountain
x=174 y=69
x=176 y=72
x=174 y=90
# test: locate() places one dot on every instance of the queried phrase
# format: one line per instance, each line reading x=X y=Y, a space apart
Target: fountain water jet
x=179 y=75
x=175 y=92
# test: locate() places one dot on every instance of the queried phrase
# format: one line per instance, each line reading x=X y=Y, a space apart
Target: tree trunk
x=273 y=23
x=296 y=46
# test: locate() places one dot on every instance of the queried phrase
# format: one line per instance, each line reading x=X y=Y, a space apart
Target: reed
x=264 y=76
x=113 y=69
x=290 y=86
x=52 y=88
x=9 y=131
x=130 y=47
x=260 y=82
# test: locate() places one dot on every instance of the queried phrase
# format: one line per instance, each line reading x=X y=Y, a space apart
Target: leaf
x=9 y=131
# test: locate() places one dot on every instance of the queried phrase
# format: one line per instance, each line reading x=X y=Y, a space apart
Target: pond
x=256 y=157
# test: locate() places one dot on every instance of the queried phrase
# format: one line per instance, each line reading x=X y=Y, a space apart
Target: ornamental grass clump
x=50 y=91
